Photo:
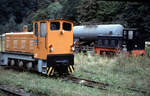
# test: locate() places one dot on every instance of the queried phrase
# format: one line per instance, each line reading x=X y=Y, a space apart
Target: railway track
x=99 y=85
x=86 y=82
x=94 y=84
x=12 y=91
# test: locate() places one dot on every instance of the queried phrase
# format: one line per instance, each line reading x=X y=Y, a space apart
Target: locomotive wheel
x=12 y=62
x=29 y=65
x=20 y=64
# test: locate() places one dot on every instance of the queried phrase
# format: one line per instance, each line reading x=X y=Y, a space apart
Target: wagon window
x=106 y=42
x=116 y=42
x=36 y=29
x=130 y=35
x=113 y=42
x=100 y=42
x=103 y=42
x=67 y=26
x=42 y=29
x=55 y=26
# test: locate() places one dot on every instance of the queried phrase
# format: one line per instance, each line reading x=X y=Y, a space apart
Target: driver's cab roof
x=53 y=20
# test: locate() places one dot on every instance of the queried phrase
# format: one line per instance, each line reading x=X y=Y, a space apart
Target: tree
x=87 y=10
x=70 y=8
x=51 y=12
x=137 y=15
x=107 y=11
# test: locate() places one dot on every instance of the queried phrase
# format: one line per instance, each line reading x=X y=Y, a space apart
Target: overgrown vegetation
x=132 y=72
x=44 y=86
x=127 y=72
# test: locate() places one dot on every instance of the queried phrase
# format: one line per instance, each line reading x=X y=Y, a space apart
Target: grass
x=123 y=71
x=132 y=72
x=44 y=86
x=2 y=93
x=1 y=42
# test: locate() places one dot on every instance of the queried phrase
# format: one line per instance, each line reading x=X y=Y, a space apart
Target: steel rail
x=13 y=92
x=99 y=85
x=86 y=82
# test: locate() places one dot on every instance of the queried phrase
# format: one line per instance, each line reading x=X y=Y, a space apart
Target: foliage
x=127 y=72
x=51 y=12
x=87 y=10
x=70 y=8
x=137 y=15
x=130 y=14
x=17 y=8
x=13 y=13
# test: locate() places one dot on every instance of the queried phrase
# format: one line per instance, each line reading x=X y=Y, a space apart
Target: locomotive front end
x=54 y=45
x=60 y=46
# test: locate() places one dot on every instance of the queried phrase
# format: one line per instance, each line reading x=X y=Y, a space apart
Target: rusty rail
x=99 y=85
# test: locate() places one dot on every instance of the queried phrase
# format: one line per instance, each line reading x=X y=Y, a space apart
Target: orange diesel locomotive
x=48 y=48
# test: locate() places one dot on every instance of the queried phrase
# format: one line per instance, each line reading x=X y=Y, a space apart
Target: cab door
x=40 y=40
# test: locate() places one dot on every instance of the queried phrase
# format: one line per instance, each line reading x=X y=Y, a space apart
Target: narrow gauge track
x=12 y=92
x=86 y=82
x=99 y=85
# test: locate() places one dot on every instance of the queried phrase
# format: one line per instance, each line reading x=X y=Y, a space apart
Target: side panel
x=19 y=42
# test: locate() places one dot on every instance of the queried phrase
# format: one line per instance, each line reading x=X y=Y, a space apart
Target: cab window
x=55 y=26
x=66 y=26
x=42 y=29
x=36 y=29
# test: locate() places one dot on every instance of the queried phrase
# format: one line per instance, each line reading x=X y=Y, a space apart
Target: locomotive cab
x=134 y=41
x=50 y=35
x=54 y=43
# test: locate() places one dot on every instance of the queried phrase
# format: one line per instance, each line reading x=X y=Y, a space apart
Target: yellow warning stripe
x=52 y=71
x=49 y=71
x=71 y=69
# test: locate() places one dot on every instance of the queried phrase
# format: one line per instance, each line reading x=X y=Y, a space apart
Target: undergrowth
x=124 y=71
x=127 y=72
